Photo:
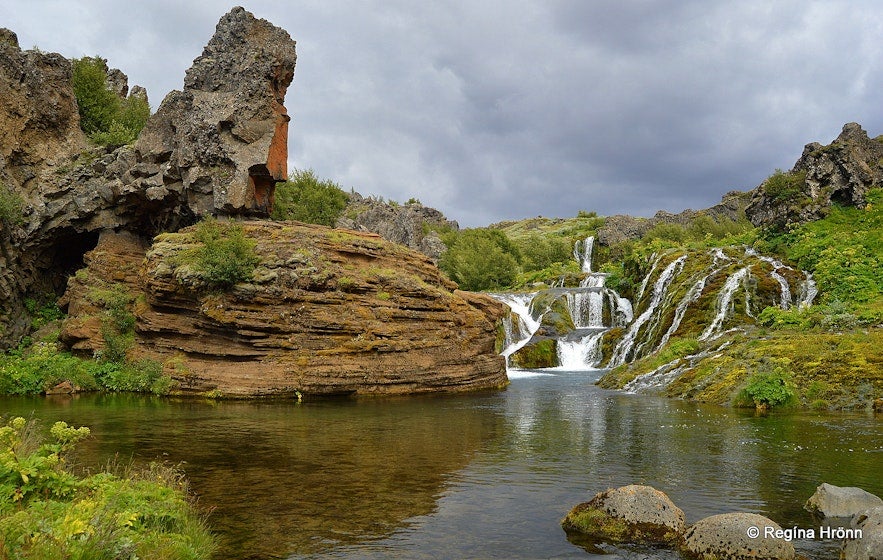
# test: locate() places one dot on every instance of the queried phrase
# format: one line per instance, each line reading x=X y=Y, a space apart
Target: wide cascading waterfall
x=695 y=297
x=587 y=308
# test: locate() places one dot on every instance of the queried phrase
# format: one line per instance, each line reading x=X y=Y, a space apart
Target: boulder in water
x=839 y=501
x=870 y=544
x=633 y=513
x=736 y=536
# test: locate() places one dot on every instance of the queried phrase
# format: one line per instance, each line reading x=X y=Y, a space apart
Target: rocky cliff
x=840 y=173
x=327 y=311
x=217 y=147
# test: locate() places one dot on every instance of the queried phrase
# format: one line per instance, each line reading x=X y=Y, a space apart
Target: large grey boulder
x=631 y=513
x=870 y=545
x=731 y=536
x=840 y=501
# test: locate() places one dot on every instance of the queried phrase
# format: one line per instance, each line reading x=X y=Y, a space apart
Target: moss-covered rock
x=535 y=355
x=634 y=513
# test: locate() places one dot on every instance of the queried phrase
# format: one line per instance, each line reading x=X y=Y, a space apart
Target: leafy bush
x=480 y=259
x=539 y=252
x=306 y=198
x=33 y=370
x=106 y=118
x=767 y=389
x=783 y=185
x=48 y=512
x=11 y=205
x=225 y=255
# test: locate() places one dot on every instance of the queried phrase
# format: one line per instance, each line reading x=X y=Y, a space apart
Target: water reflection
x=487 y=475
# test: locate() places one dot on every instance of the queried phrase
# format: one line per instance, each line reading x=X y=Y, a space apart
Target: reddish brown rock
x=328 y=311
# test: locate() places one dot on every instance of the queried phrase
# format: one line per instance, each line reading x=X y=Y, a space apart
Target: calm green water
x=474 y=476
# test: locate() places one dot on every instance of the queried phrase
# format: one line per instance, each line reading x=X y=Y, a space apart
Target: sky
x=501 y=110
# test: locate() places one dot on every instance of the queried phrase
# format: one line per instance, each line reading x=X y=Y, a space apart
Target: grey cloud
x=500 y=110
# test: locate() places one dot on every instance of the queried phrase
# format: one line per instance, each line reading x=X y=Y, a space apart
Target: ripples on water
x=484 y=475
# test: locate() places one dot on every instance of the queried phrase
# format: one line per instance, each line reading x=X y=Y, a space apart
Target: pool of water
x=485 y=475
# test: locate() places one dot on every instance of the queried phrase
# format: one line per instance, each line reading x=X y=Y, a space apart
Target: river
x=486 y=475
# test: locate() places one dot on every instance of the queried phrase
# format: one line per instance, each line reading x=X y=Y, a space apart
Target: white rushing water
x=582 y=253
x=623 y=349
x=724 y=301
x=520 y=325
x=808 y=291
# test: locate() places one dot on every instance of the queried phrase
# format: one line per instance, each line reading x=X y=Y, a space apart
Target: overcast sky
x=497 y=110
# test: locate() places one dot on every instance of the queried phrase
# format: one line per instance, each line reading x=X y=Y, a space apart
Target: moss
x=598 y=525
x=542 y=354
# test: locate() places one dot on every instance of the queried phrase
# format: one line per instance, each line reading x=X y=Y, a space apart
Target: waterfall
x=808 y=291
x=519 y=331
x=582 y=253
x=724 y=300
x=786 y=289
x=624 y=349
x=692 y=295
x=580 y=354
x=783 y=283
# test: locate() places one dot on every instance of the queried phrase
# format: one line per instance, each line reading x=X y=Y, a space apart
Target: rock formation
x=840 y=501
x=327 y=312
x=869 y=545
x=839 y=173
x=737 y=536
x=221 y=145
x=218 y=147
x=412 y=224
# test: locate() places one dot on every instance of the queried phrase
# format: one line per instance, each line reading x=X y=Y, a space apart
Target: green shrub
x=145 y=376
x=43 y=310
x=48 y=512
x=480 y=259
x=106 y=118
x=225 y=256
x=538 y=252
x=783 y=185
x=768 y=389
x=11 y=206
x=306 y=198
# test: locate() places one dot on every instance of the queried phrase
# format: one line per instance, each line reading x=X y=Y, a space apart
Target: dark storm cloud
x=500 y=110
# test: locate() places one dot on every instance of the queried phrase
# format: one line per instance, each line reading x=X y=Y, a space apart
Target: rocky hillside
x=843 y=172
x=326 y=311
x=411 y=224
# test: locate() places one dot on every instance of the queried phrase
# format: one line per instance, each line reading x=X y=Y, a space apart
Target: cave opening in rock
x=842 y=197
x=65 y=258
x=263 y=185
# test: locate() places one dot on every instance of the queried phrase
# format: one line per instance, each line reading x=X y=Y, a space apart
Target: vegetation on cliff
x=47 y=511
x=108 y=118
x=822 y=356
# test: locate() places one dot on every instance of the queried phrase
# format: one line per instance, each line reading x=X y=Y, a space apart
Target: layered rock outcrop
x=839 y=173
x=326 y=312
